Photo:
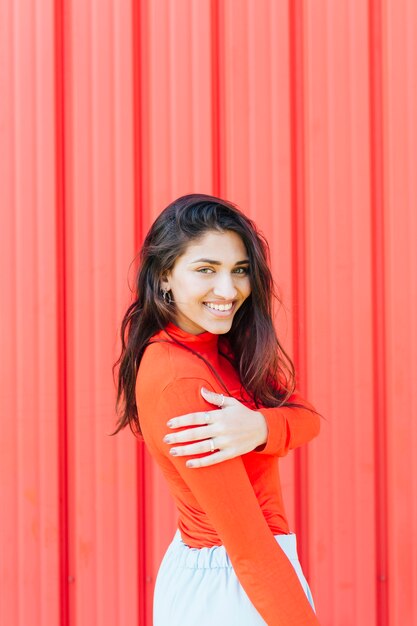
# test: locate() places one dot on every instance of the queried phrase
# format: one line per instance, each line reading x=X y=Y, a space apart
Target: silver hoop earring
x=166 y=296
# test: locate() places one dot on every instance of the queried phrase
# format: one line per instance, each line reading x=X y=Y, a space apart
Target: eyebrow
x=213 y=262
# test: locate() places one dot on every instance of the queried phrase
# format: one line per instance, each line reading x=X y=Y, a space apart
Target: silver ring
x=213 y=447
x=221 y=405
x=208 y=417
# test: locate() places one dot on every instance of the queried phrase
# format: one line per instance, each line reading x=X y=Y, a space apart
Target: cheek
x=246 y=289
x=196 y=287
x=189 y=291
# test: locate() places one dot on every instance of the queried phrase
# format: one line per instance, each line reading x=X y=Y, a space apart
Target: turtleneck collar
x=203 y=342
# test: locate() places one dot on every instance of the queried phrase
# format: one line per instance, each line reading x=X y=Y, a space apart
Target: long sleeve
x=289 y=427
x=225 y=493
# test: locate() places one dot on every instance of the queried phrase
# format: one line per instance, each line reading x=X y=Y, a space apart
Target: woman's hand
x=232 y=430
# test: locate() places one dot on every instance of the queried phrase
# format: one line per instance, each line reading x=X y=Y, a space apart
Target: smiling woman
x=200 y=333
x=209 y=291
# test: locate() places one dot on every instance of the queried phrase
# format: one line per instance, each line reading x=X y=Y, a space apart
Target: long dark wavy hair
x=265 y=370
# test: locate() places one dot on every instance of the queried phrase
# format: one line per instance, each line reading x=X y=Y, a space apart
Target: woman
x=200 y=333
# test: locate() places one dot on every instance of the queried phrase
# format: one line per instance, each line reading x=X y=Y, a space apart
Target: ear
x=165 y=282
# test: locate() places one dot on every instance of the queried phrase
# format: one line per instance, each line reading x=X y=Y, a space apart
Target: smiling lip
x=219 y=313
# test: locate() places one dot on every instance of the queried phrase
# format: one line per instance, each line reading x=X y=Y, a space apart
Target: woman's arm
x=226 y=495
x=238 y=429
x=289 y=427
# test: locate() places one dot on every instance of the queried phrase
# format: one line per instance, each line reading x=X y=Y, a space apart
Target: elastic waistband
x=216 y=556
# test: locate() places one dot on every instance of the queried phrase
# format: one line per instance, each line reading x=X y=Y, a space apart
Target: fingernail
x=170 y=424
x=167 y=439
x=173 y=451
x=189 y=464
x=204 y=389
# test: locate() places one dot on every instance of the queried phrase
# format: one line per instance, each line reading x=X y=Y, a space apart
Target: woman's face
x=209 y=282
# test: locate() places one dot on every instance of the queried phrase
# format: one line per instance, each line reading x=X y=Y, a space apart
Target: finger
x=191 y=434
x=195 y=448
x=210 y=459
x=215 y=398
x=192 y=419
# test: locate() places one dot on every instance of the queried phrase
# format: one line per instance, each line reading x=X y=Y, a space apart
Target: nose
x=224 y=286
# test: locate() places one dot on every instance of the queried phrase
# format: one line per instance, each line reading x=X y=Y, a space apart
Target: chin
x=219 y=328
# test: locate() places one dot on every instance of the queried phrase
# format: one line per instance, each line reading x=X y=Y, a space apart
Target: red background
x=304 y=114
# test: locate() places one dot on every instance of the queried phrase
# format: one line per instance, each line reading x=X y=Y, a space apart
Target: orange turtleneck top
x=238 y=502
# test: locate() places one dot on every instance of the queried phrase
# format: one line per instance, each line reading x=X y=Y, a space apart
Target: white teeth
x=219 y=307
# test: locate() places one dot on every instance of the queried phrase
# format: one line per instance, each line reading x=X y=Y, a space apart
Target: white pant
x=198 y=587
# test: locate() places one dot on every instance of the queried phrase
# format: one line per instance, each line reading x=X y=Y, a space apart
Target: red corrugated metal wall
x=302 y=112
